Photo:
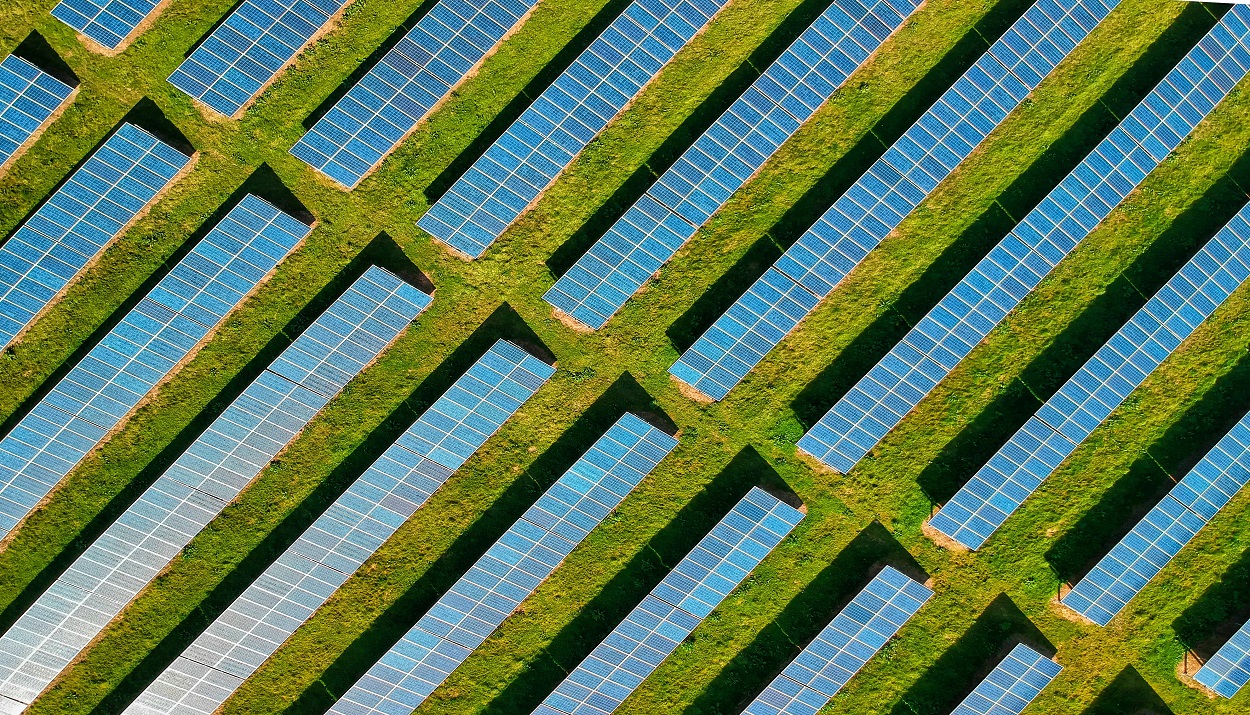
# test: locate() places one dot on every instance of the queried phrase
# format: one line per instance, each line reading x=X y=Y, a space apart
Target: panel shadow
x=1218 y=613
x=1128 y=694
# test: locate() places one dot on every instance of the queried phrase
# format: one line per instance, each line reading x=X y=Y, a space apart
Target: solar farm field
x=471 y=319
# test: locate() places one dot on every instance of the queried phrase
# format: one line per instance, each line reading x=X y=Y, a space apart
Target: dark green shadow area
x=1024 y=193
x=750 y=671
x=1128 y=694
x=625 y=590
x=381 y=251
x=36 y=50
x=845 y=172
x=965 y=664
x=1218 y=613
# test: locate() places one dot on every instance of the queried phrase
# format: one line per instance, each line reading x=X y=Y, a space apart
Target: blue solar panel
x=151 y=340
x=966 y=315
x=72 y=227
x=382 y=108
x=29 y=98
x=221 y=462
x=243 y=55
x=1098 y=388
x=725 y=157
x=561 y=122
x=1012 y=685
x=109 y=23
x=854 y=636
x=1229 y=669
x=675 y=607
x=890 y=190
x=509 y=571
x=338 y=543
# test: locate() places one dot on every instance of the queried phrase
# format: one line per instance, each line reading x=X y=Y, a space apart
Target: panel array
x=725 y=157
x=72 y=227
x=675 y=607
x=522 y=163
x=894 y=186
x=1229 y=669
x=1165 y=530
x=221 y=462
x=966 y=315
x=854 y=636
x=418 y=73
x=149 y=342
x=29 y=97
x=510 y=571
x=1012 y=685
x=108 y=22
x=244 y=53
x=343 y=538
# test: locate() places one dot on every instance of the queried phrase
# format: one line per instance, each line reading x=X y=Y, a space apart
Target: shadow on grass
x=803 y=618
x=625 y=590
x=1216 y=615
x=1024 y=193
x=36 y=50
x=845 y=171
x=1128 y=694
x=515 y=108
x=965 y=664
x=381 y=251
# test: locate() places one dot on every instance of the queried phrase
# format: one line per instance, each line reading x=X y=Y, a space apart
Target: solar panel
x=890 y=190
x=381 y=109
x=221 y=462
x=675 y=607
x=509 y=571
x=1164 y=531
x=83 y=216
x=523 y=162
x=1090 y=396
x=244 y=53
x=966 y=315
x=1229 y=669
x=150 y=341
x=110 y=23
x=1012 y=685
x=854 y=636
x=29 y=99
x=725 y=157
x=340 y=540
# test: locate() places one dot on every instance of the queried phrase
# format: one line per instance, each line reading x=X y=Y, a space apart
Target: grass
x=984 y=601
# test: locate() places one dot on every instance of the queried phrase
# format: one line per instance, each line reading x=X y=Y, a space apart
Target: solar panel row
x=150 y=341
x=72 y=227
x=29 y=99
x=652 y=631
x=343 y=538
x=1015 y=267
x=221 y=462
x=244 y=53
x=1012 y=685
x=376 y=114
x=561 y=122
x=725 y=157
x=509 y=571
x=1229 y=669
x=894 y=186
x=828 y=663
x=110 y=23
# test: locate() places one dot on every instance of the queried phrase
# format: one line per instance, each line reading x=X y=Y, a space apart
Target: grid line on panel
x=212 y=471
x=244 y=53
x=843 y=647
x=74 y=225
x=29 y=97
x=363 y=127
x=1013 y=684
x=891 y=189
x=97 y=394
x=1018 y=264
x=547 y=136
x=675 y=607
x=107 y=22
x=724 y=157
